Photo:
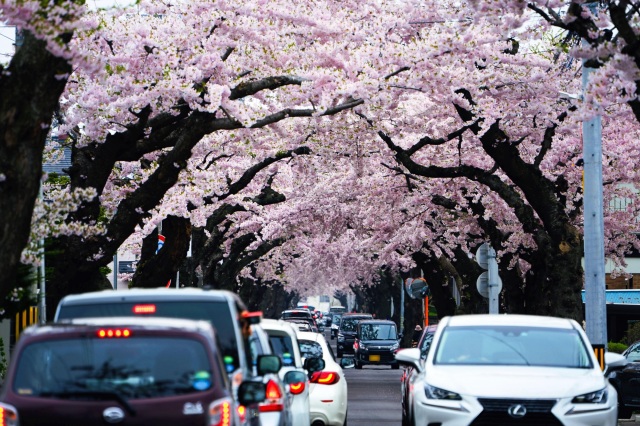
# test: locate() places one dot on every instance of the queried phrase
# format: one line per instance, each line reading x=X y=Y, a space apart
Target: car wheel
x=339 y=354
x=395 y=366
x=405 y=419
x=357 y=365
x=624 y=412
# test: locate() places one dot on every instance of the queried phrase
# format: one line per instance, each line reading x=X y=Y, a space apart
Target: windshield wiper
x=102 y=395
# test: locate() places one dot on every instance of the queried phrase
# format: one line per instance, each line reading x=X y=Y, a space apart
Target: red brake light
x=242 y=412
x=144 y=309
x=296 y=388
x=273 y=401
x=220 y=412
x=110 y=333
x=8 y=416
x=325 y=377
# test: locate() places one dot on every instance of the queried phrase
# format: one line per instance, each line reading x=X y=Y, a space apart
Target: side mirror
x=400 y=336
x=314 y=364
x=409 y=358
x=250 y=393
x=294 y=377
x=347 y=363
x=268 y=364
x=614 y=361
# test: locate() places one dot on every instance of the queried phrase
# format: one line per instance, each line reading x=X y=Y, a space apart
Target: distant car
x=96 y=371
x=310 y=323
x=347 y=332
x=410 y=373
x=508 y=370
x=626 y=380
x=376 y=343
x=328 y=389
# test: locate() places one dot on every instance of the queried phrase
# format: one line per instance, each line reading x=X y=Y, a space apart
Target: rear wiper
x=102 y=395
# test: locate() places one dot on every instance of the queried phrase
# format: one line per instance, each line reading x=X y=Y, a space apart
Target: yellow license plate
x=374 y=358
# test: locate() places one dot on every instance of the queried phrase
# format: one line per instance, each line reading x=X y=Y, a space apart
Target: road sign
x=417 y=288
x=160 y=242
x=482 y=284
x=482 y=256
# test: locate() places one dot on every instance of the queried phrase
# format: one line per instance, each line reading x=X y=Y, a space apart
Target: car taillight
x=113 y=332
x=355 y=345
x=8 y=415
x=242 y=413
x=325 y=377
x=220 y=412
x=296 y=388
x=273 y=400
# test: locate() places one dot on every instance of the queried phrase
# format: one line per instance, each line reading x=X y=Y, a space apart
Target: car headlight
x=433 y=392
x=597 y=397
x=395 y=346
x=340 y=337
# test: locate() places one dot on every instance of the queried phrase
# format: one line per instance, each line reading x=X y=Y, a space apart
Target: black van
x=376 y=343
x=347 y=332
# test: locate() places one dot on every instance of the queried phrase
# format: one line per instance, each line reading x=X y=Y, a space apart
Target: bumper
x=345 y=346
x=376 y=358
x=470 y=412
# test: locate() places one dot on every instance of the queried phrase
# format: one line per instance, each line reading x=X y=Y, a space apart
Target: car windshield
x=378 y=332
x=349 y=324
x=131 y=368
x=295 y=314
x=512 y=345
x=216 y=312
x=633 y=353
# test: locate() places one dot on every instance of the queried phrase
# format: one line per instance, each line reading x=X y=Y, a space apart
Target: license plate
x=374 y=358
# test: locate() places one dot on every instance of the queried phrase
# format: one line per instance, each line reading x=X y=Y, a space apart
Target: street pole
x=594 y=272
x=494 y=286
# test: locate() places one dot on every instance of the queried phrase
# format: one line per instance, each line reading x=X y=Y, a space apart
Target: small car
x=92 y=371
x=347 y=332
x=328 y=389
x=376 y=343
x=495 y=369
x=223 y=309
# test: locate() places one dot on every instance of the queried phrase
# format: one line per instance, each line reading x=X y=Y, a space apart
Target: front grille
x=496 y=413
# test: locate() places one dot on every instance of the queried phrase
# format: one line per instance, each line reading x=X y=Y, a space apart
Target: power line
x=7 y=37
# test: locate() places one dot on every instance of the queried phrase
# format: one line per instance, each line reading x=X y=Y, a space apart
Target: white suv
x=284 y=343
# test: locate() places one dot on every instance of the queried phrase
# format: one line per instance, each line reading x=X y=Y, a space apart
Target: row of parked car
x=170 y=356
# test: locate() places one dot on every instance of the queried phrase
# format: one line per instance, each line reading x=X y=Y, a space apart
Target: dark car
x=347 y=332
x=627 y=382
x=376 y=343
x=95 y=371
x=223 y=309
x=409 y=373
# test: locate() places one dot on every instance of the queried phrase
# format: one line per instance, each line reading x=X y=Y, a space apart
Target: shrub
x=617 y=347
x=633 y=333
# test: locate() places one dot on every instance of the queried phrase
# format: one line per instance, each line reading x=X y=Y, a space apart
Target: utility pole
x=594 y=272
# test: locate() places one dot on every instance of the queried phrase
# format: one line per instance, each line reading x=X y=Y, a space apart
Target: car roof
x=277 y=324
x=508 y=319
x=148 y=323
x=143 y=294
x=352 y=315
x=376 y=321
x=308 y=335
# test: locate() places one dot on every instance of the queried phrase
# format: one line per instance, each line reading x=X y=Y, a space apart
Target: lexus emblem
x=517 y=411
x=113 y=415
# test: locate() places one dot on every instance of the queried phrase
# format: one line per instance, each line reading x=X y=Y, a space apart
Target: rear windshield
x=310 y=349
x=350 y=323
x=378 y=332
x=304 y=314
x=131 y=368
x=282 y=345
x=217 y=312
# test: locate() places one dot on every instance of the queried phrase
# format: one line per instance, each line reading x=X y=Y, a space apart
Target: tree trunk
x=29 y=91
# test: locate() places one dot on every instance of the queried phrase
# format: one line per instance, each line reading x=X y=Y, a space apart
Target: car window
x=425 y=344
x=217 y=312
x=633 y=353
x=535 y=346
x=135 y=368
x=378 y=332
x=349 y=324
x=310 y=349
x=283 y=347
